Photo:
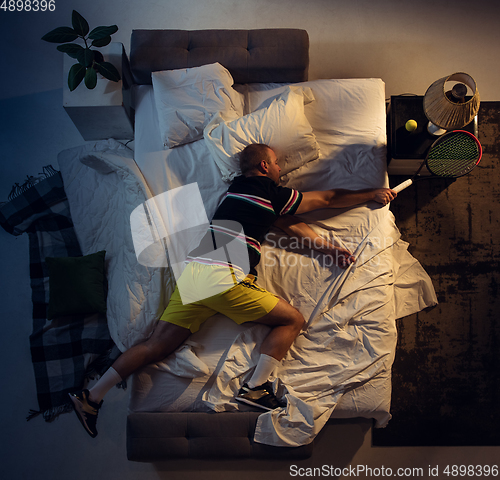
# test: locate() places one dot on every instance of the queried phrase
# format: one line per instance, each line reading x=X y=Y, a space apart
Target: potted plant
x=90 y=61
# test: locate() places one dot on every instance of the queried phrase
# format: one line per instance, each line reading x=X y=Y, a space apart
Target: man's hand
x=384 y=195
x=343 y=258
x=295 y=228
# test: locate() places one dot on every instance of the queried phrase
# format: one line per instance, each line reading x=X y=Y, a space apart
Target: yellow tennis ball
x=411 y=125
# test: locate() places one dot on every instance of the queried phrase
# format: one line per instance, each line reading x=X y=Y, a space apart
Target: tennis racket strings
x=456 y=155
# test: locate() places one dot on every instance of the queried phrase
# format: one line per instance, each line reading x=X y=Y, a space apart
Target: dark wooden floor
x=446 y=377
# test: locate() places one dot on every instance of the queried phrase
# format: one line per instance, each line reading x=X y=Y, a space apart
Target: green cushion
x=77 y=285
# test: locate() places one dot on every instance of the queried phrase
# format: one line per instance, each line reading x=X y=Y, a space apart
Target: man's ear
x=263 y=166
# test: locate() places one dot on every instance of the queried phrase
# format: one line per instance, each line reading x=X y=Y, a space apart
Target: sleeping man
x=256 y=202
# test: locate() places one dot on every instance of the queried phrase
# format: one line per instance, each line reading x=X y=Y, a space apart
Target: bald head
x=260 y=160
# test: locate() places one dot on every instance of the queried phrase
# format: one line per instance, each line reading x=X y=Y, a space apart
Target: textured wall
x=407 y=43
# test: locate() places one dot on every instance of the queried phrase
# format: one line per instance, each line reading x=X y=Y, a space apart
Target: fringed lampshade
x=448 y=108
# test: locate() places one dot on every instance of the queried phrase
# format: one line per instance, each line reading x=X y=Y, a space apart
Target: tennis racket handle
x=403 y=185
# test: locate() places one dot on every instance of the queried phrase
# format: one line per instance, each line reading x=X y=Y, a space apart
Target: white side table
x=104 y=112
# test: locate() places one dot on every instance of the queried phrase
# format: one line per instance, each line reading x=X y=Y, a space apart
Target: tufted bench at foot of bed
x=154 y=437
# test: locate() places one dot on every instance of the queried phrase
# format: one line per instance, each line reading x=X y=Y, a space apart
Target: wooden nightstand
x=407 y=150
x=104 y=112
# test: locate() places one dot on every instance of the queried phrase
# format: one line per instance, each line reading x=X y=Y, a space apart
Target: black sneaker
x=86 y=410
x=261 y=396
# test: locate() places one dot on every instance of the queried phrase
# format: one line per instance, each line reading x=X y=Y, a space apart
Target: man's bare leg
x=165 y=339
x=286 y=323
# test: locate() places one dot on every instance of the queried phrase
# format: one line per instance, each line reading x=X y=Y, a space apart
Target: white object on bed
x=348 y=118
x=282 y=125
x=344 y=107
x=104 y=186
x=186 y=99
x=164 y=169
x=175 y=220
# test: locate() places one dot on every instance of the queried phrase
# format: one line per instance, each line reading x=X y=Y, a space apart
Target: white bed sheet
x=164 y=169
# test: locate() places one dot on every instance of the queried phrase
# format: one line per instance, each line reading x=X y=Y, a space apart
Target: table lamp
x=447 y=106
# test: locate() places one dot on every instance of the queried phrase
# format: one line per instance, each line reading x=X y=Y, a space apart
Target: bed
x=199 y=97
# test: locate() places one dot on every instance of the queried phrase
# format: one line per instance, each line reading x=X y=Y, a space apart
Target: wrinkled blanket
x=351 y=333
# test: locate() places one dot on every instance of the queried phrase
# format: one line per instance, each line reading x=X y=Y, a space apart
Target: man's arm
x=295 y=228
x=340 y=198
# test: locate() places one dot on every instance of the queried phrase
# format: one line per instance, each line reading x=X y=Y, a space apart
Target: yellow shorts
x=243 y=302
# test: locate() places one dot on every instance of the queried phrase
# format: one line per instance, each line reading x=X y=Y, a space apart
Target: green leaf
x=101 y=32
x=75 y=76
x=98 y=56
x=107 y=70
x=72 y=49
x=60 y=35
x=90 y=78
x=102 y=42
x=80 y=25
x=86 y=57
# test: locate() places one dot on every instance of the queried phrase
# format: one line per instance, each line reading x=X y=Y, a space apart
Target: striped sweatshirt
x=254 y=203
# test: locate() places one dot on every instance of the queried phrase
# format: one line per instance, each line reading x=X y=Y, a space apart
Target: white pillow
x=186 y=99
x=283 y=126
x=343 y=107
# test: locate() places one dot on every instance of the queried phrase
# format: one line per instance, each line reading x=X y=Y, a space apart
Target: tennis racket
x=452 y=155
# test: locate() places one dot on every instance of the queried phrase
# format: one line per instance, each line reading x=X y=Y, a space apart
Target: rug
x=446 y=376
x=67 y=351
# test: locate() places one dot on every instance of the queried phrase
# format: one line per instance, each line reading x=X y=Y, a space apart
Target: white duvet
x=351 y=332
x=103 y=186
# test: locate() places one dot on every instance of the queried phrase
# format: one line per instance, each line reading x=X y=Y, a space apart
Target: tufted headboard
x=251 y=56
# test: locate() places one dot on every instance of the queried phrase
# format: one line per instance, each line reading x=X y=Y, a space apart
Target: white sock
x=265 y=366
x=104 y=385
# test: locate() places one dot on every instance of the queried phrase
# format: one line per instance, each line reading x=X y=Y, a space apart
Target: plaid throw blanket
x=65 y=352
